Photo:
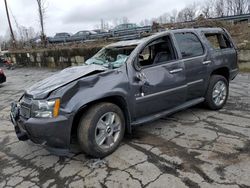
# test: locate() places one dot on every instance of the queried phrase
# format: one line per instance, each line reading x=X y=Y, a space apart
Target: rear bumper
x=54 y=133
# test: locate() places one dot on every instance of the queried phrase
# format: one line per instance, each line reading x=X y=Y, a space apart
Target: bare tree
x=41 y=13
x=28 y=33
x=220 y=8
x=141 y=23
x=125 y=20
x=207 y=8
x=181 y=16
x=191 y=11
x=165 y=18
x=173 y=15
x=17 y=26
x=115 y=22
x=230 y=7
x=102 y=23
x=24 y=34
x=188 y=13
x=146 y=22
x=106 y=25
x=240 y=6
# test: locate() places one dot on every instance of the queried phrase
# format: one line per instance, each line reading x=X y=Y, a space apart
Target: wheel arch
x=223 y=71
x=115 y=99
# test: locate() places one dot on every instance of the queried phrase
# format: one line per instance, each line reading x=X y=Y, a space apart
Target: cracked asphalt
x=193 y=148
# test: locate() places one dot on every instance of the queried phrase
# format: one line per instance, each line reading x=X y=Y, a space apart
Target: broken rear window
x=218 y=40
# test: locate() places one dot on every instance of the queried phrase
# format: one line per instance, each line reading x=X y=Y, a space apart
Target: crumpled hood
x=44 y=87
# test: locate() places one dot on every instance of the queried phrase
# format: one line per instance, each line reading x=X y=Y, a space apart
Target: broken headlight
x=46 y=109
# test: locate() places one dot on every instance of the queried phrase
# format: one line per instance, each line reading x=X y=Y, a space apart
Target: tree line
x=208 y=9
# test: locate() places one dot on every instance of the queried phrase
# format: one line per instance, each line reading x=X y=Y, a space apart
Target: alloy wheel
x=219 y=93
x=108 y=130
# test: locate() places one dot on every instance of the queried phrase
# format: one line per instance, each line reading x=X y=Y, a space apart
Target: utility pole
x=11 y=30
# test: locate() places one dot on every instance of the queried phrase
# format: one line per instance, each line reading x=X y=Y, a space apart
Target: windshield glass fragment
x=111 y=57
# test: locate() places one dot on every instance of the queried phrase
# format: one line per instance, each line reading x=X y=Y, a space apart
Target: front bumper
x=54 y=132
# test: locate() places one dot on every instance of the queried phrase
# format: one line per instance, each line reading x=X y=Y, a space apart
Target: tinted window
x=189 y=45
x=218 y=41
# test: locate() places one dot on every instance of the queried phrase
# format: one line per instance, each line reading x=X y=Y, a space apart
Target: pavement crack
x=202 y=174
x=220 y=129
x=158 y=161
x=189 y=183
x=146 y=185
x=134 y=178
x=177 y=136
x=190 y=162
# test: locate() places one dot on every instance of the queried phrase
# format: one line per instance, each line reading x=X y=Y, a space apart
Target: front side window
x=157 y=52
x=189 y=45
x=218 y=41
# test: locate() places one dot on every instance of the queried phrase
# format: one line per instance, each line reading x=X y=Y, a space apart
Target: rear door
x=196 y=63
x=221 y=49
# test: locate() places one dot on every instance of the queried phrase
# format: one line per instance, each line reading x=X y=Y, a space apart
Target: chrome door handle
x=206 y=62
x=176 y=71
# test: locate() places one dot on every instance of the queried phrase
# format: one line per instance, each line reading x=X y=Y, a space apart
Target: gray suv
x=127 y=84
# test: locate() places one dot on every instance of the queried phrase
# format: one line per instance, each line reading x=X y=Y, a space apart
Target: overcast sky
x=74 y=15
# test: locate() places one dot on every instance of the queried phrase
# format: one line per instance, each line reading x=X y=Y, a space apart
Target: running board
x=167 y=112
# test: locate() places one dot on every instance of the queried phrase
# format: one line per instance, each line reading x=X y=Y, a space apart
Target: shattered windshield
x=111 y=57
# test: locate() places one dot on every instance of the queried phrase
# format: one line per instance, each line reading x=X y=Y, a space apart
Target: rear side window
x=218 y=40
x=189 y=44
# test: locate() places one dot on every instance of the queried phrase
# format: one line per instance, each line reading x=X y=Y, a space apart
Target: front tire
x=101 y=130
x=217 y=93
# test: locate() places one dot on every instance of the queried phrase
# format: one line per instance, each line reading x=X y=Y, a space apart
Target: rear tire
x=217 y=93
x=101 y=130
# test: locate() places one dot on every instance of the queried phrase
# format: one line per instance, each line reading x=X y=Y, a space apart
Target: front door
x=161 y=82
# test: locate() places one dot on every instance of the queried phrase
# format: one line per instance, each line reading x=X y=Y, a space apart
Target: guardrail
x=138 y=30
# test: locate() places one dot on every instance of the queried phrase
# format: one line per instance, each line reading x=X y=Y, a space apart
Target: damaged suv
x=127 y=84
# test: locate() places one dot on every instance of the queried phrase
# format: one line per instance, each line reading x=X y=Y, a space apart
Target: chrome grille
x=24 y=111
x=25 y=107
